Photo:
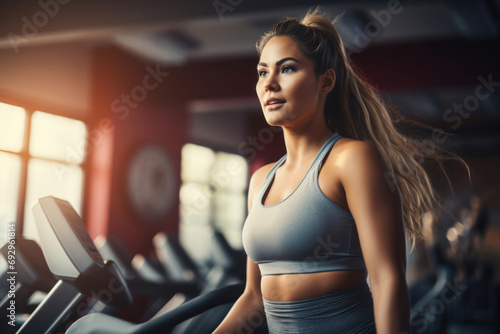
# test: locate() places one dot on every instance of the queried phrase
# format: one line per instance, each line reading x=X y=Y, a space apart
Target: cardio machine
x=30 y=280
x=155 y=292
x=73 y=259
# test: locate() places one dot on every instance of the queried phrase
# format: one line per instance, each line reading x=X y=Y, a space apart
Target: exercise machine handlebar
x=98 y=323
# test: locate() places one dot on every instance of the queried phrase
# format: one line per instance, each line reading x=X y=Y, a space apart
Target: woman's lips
x=275 y=106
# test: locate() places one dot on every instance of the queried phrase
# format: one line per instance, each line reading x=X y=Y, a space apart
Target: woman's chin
x=275 y=120
x=275 y=123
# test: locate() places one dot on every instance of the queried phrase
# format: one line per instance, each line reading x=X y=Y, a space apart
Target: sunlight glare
x=57 y=137
x=11 y=127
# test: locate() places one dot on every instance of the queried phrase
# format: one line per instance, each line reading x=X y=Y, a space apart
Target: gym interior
x=141 y=120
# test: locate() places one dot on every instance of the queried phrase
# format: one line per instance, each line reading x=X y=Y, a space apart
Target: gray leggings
x=346 y=311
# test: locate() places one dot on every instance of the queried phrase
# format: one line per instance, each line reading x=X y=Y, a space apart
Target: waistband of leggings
x=359 y=290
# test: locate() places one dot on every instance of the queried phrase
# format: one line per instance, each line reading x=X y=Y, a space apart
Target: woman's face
x=288 y=89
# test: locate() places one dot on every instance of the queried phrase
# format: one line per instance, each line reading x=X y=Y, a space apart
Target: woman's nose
x=271 y=84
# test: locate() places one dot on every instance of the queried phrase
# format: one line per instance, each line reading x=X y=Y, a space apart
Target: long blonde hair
x=355 y=109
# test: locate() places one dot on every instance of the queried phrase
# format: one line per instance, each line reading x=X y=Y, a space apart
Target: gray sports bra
x=304 y=233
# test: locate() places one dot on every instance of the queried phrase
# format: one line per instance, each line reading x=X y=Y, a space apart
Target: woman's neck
x=302 y=147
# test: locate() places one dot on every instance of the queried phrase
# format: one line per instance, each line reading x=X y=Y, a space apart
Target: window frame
x=25 y=156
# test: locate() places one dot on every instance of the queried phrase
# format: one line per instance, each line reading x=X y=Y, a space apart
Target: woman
x=336 y=207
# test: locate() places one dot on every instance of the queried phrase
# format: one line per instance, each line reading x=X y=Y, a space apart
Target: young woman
x=336 y=207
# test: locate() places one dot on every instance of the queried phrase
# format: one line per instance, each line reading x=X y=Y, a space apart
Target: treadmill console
x=71 y=254
x=65 y=242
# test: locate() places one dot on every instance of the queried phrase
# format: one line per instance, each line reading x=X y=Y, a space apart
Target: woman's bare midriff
x=292 y=287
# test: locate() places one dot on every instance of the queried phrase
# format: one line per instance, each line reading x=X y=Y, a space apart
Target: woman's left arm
x=375 y=203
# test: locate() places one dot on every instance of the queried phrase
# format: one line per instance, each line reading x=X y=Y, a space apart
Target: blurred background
x=143 y=115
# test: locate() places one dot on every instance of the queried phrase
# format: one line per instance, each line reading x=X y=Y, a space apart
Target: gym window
x=212 y=196
x=41 y=154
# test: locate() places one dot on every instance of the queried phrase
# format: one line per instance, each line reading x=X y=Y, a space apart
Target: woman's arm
x=248 y=311
x=375 y=202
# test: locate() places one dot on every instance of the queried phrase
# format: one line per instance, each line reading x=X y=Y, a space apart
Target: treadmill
x=81 y=272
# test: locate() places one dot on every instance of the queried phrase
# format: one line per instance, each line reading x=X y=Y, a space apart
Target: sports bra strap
x=325 y=149
x=317 y=160
x=275 y=167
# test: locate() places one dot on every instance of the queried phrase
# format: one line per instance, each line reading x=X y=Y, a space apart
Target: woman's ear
x=328 y=81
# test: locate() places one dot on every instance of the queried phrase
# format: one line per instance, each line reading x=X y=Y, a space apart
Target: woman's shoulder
x=352 y=146
x=259 y=175
x=257 y=180
x=349 y=152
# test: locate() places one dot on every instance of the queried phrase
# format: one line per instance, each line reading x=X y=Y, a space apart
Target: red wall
x=117 y=130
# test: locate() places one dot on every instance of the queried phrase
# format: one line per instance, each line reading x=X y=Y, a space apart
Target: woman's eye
x=262 y=73
x=287 y=69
